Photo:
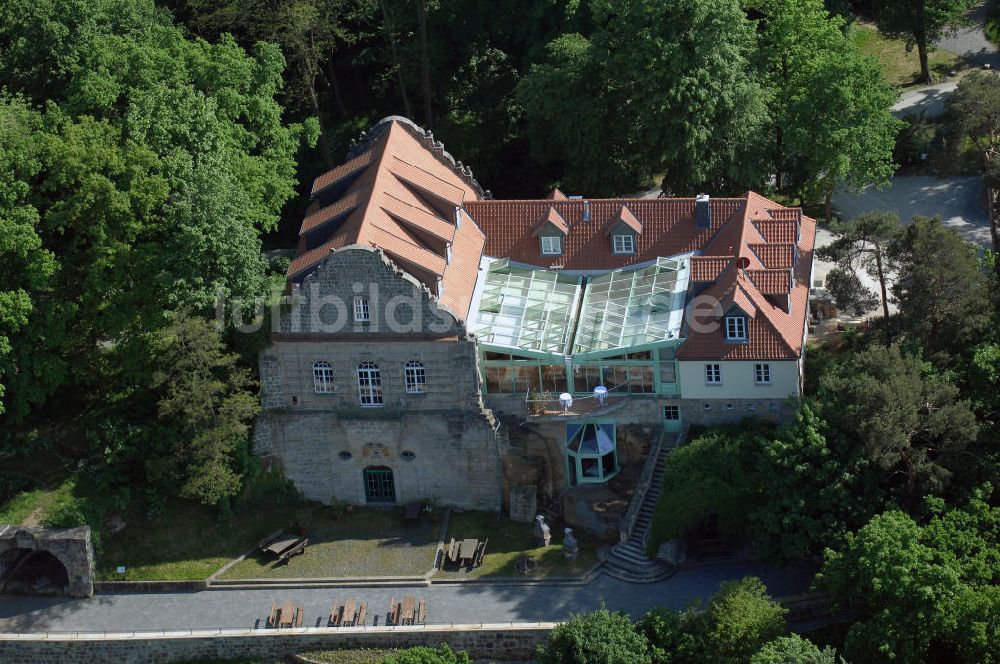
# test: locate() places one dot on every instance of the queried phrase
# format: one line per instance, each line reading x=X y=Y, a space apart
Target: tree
x=974 y=118
x=922 y=593
x=793 y=649
x=738 y=620
x=862 y=247
x=907 y=420
x=27 y=269
x=942 y=292
x=160 y=160
x=658 y=86
x=207 y=401
x=424 y=655
x=574 y=119
x=840 y=128
x=808 y=489
x=921 y=23
x=600 y=637
x=711 y=475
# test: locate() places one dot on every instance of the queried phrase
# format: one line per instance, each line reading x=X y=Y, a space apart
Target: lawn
x=364 y=542
x=898 y=66
x=17 y=509
x=509 y=540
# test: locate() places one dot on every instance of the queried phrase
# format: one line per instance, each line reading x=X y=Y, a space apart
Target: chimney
x=702 y=212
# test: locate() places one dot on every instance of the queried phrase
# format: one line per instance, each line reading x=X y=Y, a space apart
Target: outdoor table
x=285 y=541
x=469 y=547
x=347 y=616
x=287 y=614
x=409 y=603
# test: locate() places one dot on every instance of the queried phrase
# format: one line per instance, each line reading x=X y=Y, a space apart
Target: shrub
x=601 y=637
x=12 y=485
x=423 y=655
x=793 y=649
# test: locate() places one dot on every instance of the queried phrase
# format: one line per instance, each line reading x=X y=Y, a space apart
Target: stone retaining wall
x=509 y=641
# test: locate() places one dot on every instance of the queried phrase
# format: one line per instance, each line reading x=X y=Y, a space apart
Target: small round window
x=407 y=456
x=345 y=455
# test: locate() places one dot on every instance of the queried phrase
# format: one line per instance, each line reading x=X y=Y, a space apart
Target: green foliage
x=738 y=620
x=424 y=655
x=922 y=593
x=920 y=24
x=793 y=649
x=709 y=475
x=972 y=119
x=909 y=422
x=833 y=126
x=659 y=86
x=943 y=299
x=862 y=247
x=153 y=166
x=918 y=140
x=600 y=637
x=207 y=401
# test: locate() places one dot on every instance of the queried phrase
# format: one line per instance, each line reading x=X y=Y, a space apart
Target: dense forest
x=149 y=152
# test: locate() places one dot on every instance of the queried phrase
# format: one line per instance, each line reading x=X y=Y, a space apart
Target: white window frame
x=322 y=377
x=713 y=374
x=370 y=385
x=361 y=311
x=762 y=373
x=415 y=377
x=623 y=244
x=551 y=245
x=675 y=412
x=736 y=328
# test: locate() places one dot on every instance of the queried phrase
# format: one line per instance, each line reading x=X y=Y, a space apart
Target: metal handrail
x=642 y=487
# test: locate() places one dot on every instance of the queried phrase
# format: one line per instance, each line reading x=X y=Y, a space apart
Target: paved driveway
x=471 y=603
x=959 y=201
x=971 y=42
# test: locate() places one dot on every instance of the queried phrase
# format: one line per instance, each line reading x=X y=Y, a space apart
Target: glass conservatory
x=591 y=452
x=550 y=332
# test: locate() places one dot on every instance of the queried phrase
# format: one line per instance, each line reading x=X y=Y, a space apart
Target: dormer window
x=736 y=328
x=623 y=244
x=551 y=245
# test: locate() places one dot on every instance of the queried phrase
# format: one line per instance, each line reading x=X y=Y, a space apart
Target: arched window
x=322 y=378
x=369 y=384
x=416 y=377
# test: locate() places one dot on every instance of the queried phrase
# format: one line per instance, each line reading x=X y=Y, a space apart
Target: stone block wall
x=491 y=642
x=71 y=546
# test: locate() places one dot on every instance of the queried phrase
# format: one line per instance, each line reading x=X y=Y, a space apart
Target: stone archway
x=46 y=560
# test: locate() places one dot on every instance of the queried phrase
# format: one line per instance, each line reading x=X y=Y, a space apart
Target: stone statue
x=543 y=535
x=571 y=548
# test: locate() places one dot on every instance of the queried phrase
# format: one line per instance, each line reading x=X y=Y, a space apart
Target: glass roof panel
x=633 y=307
x=526 y=308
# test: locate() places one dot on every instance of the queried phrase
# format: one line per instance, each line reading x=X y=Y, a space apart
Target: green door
x=379 y=485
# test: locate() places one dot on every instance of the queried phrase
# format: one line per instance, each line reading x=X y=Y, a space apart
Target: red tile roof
x=552 y=217
x=403 y=187
x=626 y=217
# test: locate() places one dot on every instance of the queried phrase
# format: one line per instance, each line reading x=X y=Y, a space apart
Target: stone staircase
x=627 y=561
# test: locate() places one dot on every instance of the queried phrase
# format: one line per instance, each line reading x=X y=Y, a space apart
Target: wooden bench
x=422 y=612
x=296 y=549
x=362 y=614
x=480 y=552
x=266 y=542
x=272 y=617
x=335 y=614
x=452 y=550
x=299 y=614
x=393 y=611
x=347 y=615
x=409 y=604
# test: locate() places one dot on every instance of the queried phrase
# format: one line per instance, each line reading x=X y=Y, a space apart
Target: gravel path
x=469 y=603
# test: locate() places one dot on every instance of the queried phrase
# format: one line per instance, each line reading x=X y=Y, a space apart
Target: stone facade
x=510 y=642
x=439 y=442
x=71 y=546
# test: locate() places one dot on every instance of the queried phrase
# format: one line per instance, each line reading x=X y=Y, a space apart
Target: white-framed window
x=551 y=245
x=369 y=384
x=672 y=413
x=415 y=377
x=762 y=374
x=361 y=313
x=623 y=244
x=322 y=378
x=736 y=328
x=713 y=374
